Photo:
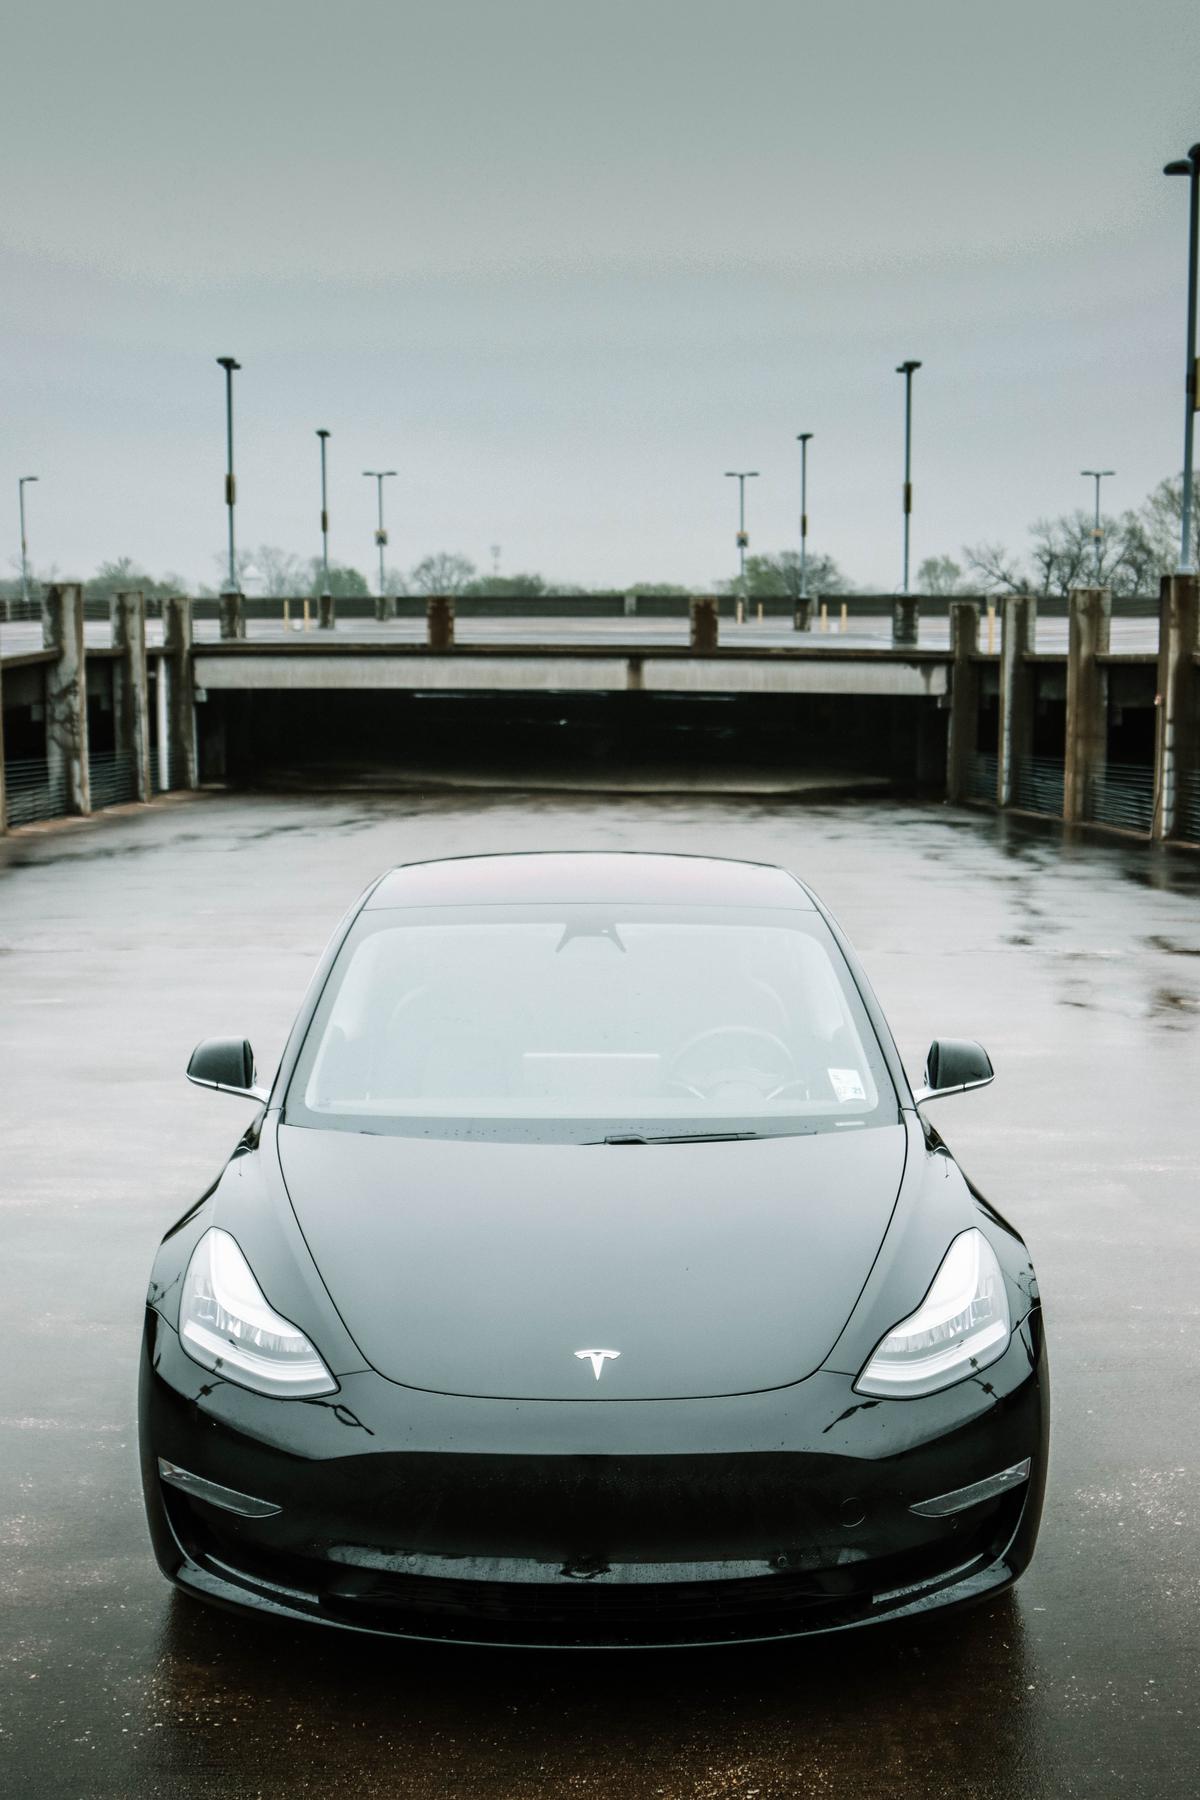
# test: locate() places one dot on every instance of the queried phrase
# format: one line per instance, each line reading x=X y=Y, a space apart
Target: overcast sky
x=563 y=262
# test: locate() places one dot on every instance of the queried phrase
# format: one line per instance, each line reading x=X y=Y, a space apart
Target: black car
x=589 y=1276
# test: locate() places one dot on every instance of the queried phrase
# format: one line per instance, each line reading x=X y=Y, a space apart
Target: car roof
x=632 y=877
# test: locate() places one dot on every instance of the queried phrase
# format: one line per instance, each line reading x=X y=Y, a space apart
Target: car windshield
x=572 y=1023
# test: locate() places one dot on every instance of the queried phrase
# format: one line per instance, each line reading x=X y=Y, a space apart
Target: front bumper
x=594 y=1523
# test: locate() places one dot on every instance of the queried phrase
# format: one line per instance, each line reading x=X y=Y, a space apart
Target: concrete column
x=802 y=615
x=130 y=690
x=964 y=697
x=1089 y=615
x=181 y=707
x=66 y=694
x=231 y=611
x=1177 y=740
x=326 y=612
x=385 y=608
x=439 y=622
x=1018 y=627
x=906 y=619
x=705 y=630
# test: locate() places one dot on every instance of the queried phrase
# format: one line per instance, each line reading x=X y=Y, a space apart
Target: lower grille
x=604 y=1609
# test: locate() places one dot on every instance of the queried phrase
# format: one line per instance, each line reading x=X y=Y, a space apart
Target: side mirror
x=226 y=1064
x=953 y=1066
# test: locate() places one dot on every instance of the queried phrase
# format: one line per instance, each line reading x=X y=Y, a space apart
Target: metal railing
x=1121 y=794
x=111 y=778
x=31 y=792
x=1038 y=786
x=981 y=776
x=1187 y=824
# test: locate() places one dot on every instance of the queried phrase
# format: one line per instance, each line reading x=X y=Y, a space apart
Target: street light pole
x=741 y=476
x=907 y=370
x=380 y=476
x=229 y=365
x=325 y=591
x=802 y=438
x=22 y=482
x=1097 y=475
x=1189 y=166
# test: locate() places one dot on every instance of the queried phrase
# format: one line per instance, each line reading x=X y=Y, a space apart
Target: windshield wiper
x=677 y=1137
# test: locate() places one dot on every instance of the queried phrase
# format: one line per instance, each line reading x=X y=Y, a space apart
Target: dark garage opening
x=373 y=738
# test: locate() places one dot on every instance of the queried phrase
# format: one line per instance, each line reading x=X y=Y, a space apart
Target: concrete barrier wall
x=1051 y=722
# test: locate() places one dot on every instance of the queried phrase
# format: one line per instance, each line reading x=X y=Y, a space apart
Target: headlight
x=961 y=1325
x=226 y=1324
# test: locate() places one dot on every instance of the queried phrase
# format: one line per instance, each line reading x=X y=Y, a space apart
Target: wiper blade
x=677 y=1137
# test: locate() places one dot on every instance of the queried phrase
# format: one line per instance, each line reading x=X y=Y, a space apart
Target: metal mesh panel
x=1122 y=794
x=111 y=775
x=981 y=776
x=1039 y=786
x=1187 y=825
x=32 y=793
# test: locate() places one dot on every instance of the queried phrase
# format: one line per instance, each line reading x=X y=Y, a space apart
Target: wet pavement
x=125 y=939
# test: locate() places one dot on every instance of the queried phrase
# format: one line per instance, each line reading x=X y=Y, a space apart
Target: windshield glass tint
x=566 y=1023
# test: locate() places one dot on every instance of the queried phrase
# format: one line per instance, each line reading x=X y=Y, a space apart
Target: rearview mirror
x=226 y=1064
x=953 y=1066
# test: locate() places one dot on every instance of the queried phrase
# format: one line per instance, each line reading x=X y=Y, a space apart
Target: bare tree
x=997 y=569
x=278 y=570
x=940 y=575
x=443 y=573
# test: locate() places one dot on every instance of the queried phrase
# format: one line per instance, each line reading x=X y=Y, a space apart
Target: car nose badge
x=597 y=1358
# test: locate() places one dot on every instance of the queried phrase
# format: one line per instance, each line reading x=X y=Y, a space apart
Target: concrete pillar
x=181 y=707
x=1018 y=627
x=385 y=608
x=906 y=619
x=964 y=697
x=326 y=612
x=802 y=615
x=705 y=630
x=1177 y=739
x=130 y=688
x=1089 y=615
x=231 y=611
x=66 y=694
x=439 y=622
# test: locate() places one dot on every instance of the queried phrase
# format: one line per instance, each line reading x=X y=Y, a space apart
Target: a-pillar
x=66 y=696
x=1086 y=749
x=964 y=697
x=1018 y=628
x=176 y=660
x=704 y=626
x=1177 y=738
x=131 y=715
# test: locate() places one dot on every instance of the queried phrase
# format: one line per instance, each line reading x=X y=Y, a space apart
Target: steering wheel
x=782 y=1075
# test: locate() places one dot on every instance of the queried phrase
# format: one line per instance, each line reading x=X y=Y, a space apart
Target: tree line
x=1136 y=549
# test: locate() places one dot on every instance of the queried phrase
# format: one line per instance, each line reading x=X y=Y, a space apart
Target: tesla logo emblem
x=597 y=1358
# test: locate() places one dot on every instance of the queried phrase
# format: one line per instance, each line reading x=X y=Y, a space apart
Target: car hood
x=484 y=1268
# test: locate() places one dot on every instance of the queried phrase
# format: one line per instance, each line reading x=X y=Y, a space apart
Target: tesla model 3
x=590 y=1274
